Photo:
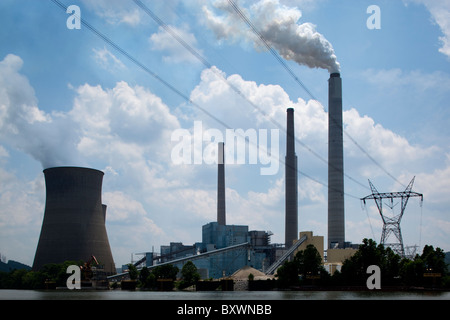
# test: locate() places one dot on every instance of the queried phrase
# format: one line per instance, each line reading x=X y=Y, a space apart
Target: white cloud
x=174 y=51
x=21 y=212
x=107 y=60
x=420 y=82
x=270 y=198
x=440 y=11
x=384 y=145
x=303 y=4
x=115 y=11
x=127 y=119
x=435 y=185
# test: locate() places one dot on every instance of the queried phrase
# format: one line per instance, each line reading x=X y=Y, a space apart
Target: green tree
x=189 y=275
x=306 y=262
x=34 y=280
x=144 y=277
x=309 y=261
x=287 y=274
x=132 y=271
x=166 y=271
x=354 y=269
x=411 y=271
x=434 y=260
x=430 y=261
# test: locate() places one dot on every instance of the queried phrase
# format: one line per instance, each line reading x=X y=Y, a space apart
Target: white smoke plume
x=46 y=137
x=278 y=24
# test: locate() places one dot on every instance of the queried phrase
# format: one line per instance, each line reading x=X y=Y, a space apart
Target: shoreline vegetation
x=425 y=272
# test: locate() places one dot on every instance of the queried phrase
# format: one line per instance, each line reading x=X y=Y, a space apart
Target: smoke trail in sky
x=278 y=25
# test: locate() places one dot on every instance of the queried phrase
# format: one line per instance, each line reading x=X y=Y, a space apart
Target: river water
x=218 y=295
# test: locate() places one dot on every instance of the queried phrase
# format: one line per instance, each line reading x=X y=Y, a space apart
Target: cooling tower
x=74 y=219
x=221 y=215
x=336 y=220
x=291 y=223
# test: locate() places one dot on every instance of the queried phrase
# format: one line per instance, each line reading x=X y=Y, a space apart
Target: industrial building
x=74 y=219
x=223 y=250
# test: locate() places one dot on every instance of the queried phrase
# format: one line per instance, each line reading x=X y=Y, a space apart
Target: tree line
x=426 y=270
x=28 y=279
x=57 y=275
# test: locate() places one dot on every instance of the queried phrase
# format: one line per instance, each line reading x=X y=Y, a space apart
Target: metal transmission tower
x=391 y=225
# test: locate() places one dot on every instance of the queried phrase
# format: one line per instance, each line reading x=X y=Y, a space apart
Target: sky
x=149 y=104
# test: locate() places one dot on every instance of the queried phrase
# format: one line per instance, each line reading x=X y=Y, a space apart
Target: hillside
x=13 y=265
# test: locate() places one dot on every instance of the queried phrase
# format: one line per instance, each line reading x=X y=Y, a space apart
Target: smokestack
x=74 y=219
x=336 y=218
x=291 y=223
x=221 y=215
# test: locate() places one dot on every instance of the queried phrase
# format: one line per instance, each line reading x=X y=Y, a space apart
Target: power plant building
x=73 y=227
x=237 y=245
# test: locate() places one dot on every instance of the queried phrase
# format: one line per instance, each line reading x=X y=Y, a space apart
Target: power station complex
x=74 y=220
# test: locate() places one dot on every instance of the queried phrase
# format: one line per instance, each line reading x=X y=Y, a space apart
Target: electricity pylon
x=391 y=225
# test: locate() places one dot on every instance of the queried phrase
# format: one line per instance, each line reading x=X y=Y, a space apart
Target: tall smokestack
x=291 y=223
x=336 y=218
x=221 y=215
x=74 y=219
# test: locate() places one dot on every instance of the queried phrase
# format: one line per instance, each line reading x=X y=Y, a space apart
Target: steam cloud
x=46 y=137
x=278 y=25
